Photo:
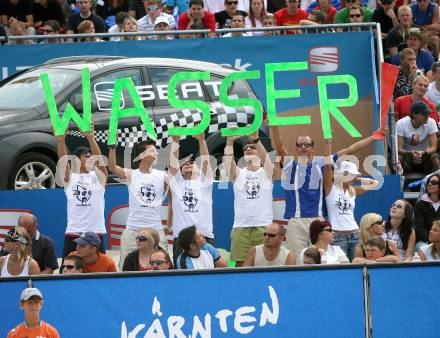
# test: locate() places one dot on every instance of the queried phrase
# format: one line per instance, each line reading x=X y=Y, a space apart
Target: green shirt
x=342 y=16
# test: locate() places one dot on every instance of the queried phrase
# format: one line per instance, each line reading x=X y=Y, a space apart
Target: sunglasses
x=433 y=183
x=398 y=206
x=9 y=239
x=152 y=9
x=158 y=262
x=189 y=162
x=141 y=238
x=306 y=145
x=47 y=30
x=387 y=2
x=353 y=16
x=328 y=229
x=377 y=223
x=69 y=267
x=232 y=3
x=266 y=234
x=250 y=147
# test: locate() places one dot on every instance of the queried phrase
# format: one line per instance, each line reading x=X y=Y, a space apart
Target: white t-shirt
x=333 y=255
x=114 y=29
x=433 y=94
x=415 y=139
x=426 y=249
x=192 y=204
x=145 y=24
x=145 y=196
x=85 y=204
x=252 y=199
x=248 y=24
x=395 y=237
x=340 y=207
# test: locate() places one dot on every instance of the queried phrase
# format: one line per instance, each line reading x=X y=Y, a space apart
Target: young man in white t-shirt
x=84 y=186
x=252 y=196
x=191 y=192
x=417 y=140
x=147 y=188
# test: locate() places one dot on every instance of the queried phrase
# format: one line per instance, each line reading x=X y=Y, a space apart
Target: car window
x=238 y=88
x=186 y=90
x=102 y=90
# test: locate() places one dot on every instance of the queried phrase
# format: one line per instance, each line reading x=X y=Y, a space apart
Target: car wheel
x=33 y=171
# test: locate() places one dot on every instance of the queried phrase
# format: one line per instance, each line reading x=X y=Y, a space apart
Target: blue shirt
x=208 y=255
x=303 y=187
x=422 y=18
x=424 y=60
x=183 y=5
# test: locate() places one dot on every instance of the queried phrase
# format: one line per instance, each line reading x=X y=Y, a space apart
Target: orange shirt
x=45 y=330
x=104 y=263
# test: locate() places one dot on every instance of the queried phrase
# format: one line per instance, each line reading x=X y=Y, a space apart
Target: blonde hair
x=420 y=78
x=133 y=20
x=24 y=250
x=366 y=222
x=152 y=236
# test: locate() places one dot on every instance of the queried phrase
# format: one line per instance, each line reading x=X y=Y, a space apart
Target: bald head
x=29 y=222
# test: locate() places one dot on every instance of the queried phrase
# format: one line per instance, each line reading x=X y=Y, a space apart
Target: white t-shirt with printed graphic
x=252 y=199
x=145 y=197
x=340 y=208
x=415 y=139
x=192 y=204
x=85 y=204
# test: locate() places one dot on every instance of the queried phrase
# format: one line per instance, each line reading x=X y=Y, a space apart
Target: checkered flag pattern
x=221 y=117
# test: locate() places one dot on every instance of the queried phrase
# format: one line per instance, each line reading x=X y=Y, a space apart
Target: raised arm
x=120 y=172
x=204 y=154
x=328 y=167
x=355 y=147
x=262 y=152
x=174 y=156
x=367 y=184
x=229 y=160
x=96 y=152
x=276 y=142
x=63 y=162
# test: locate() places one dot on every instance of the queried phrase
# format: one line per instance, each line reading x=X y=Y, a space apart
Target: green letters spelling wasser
x=60 y=125
x=188 y=104
x=243 y=102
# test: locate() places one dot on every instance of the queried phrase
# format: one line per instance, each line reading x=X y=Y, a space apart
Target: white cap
x=30 y=292
x=161 y=19
x=349 y=167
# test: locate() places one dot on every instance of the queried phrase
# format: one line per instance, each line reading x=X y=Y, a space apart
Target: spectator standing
x=19 y=261
x=371 y=226
x=427 y=210
x=139 y=260
x=402 y=105
x=407 y=73
x=12 y=11
x=73 y=264
x=290 y=16
x=431 y=252
x=434 y=87
x=84 y=188
x=31 y=302
x=321 y=237
x=196 y=14
x=94 y=261
x=271 y=252
x=160 y=260
x=43 y=248
x=237 y=22
x=44 y=10
x=197 y=254
x=257 y=11
x=398 y=35
x=375 y=252
x=252 y=196
x=417 y=141
x=223 y=19
x=399 y=228
x=85 y=13
x=154 y=11
x=343 y=15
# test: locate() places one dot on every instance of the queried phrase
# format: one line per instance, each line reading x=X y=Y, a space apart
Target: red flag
x=389 y=77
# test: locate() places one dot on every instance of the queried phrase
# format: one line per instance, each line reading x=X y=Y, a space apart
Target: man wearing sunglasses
x=147 y=188
x=154 y=11
x=73 y=264
x=252 y=195
x=302 y=182
x=343 y=15
x=84 y=187
x=223 y=19
x=271 y=253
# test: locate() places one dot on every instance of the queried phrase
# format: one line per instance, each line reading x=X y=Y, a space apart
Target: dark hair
x=311 y=141
x=313 y=253
x=319 y=16
x=316 y=228
x=406 y=227
x=120 y=17
x=79 y=262
x=197 y=25
x=142 y=146
x=196 y=2
x=377 y=242
x=54 y=24
x=434 y=67
x=167 y=256
x=429 y=178
x=187 y=237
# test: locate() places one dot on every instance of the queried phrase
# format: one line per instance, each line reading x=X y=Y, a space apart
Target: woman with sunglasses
x=19 y=260
x=147 y=242
x=321 y=235
x=399 y=228
x=372 y=226
x=431 y=252
x=427 y=210
x=340 y=197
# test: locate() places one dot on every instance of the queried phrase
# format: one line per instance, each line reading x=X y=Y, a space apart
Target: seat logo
x=323 y=59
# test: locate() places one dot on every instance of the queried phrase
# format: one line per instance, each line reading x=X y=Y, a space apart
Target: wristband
x=112 y=146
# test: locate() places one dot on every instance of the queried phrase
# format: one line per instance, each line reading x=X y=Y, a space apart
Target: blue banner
x=404 y=301
x=289 y=303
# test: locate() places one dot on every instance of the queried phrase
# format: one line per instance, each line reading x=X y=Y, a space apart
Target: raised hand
x=199 y=137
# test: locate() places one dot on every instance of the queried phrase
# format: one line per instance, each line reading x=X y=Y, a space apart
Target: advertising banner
x=283 y=303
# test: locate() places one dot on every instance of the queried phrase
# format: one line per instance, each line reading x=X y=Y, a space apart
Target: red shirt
x=402 y=107
x=208 y=20
x=330 y=17
x=283 y=18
